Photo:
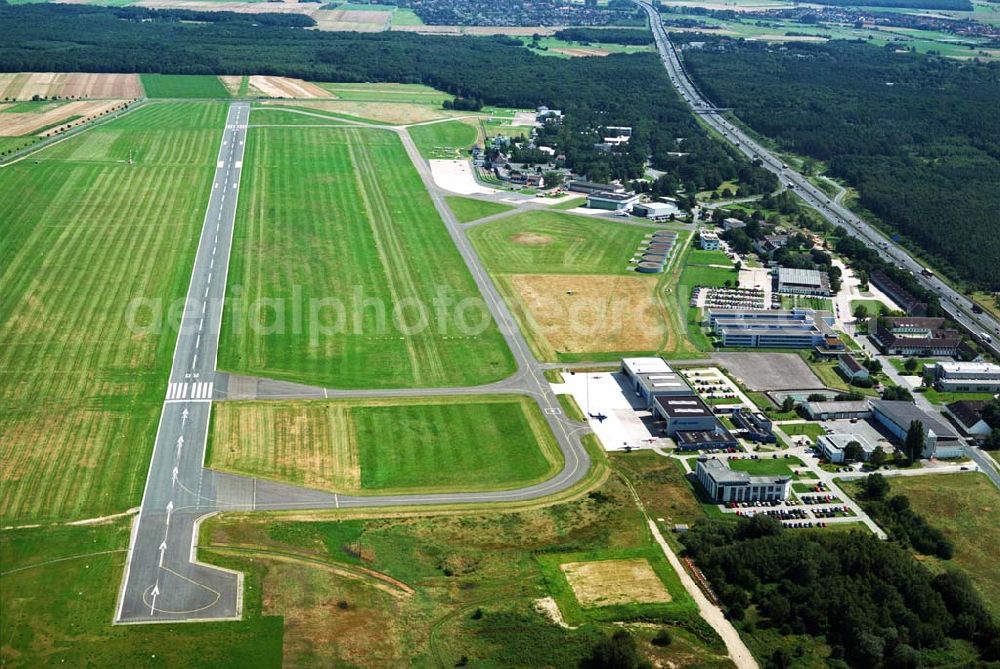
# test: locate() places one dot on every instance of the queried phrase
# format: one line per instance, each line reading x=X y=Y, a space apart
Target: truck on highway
x=986 y=338
x=926 y=272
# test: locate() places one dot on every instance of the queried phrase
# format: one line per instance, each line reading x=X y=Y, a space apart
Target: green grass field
x=81 y=391
x=698 y=257
x=183 y=86
x=338 y=222
x=964 y=507
x=811 y=430
x=439 y=446
x=387 y=92
x=57 y=598
x=467 y=209
x=766 y=466
x=549 y=242
x=419 y=444
x=874 y=307
x=448 y=139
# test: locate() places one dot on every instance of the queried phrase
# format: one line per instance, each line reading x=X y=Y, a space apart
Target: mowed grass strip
x=549 y=242
x=84 y=236
x=448 y=139
x=344 y=275
x=183 y=86
x=468 y=209
x=388 y=445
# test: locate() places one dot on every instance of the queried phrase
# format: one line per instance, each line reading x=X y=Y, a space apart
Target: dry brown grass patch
x=576 y=313
x=531 y=239
x=611 y=582
x=15 y=124
x=24 y=85
x=285 y=87
x=583 y=51
x=387 y=112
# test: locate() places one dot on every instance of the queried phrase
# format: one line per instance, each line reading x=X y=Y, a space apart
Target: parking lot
x=769 y=371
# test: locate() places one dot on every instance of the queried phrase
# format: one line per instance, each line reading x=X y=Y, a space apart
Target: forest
x=874 y=605
x=918 y=136
x=631 y=36
x=621 y=89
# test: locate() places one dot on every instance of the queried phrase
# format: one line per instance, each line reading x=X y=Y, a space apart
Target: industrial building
x=851 y=368
x=687 y=413
x=833 y=446
x=655 y=211
x=757 y=425
x=910 y=335
x=578 y=186
x=716 y=440
x=611 y=201
x=837 y=410
x=732 y=224
x=726 y=485
x=770 y=328
x=940 y=439
x=650 y=378
x=803 y=282
x=963 y=377
x=709 y=240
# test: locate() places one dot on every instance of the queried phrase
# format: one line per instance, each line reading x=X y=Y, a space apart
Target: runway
x=162 y=581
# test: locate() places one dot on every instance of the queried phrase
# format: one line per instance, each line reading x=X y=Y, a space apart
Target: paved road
x=161 y=581
x=954 y=303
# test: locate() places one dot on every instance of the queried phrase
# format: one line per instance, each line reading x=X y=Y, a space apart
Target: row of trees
x=625 y=89
x=874 y=605
x=901 y=522
x=918 y=136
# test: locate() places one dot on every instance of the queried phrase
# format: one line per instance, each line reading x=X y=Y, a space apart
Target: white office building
x=727 y=485
x=964 y=377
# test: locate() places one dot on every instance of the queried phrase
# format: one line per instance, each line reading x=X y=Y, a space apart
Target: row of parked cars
x=818 y=499
x=780 y=514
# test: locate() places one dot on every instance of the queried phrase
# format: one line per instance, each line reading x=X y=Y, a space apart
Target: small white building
x=709 y=241
x=851 y=368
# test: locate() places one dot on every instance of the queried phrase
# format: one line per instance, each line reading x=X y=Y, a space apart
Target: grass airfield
x=321 y=210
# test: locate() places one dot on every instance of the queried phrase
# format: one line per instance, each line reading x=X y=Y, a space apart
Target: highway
x=958 y=306
x=162 y=581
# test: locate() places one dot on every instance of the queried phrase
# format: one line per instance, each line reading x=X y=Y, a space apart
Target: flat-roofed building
x=771 y=328
x=833 y=446
x=964 y=377
x=708 y=440
x=655 y=211
x=709 y=241
x=650 y=378
x=685 y=413
x=837 y=410
x=724 y=484
x=757 y=425
x=940 y=439
x=611 y=201
x=732 y=224
x=803 y=282
x=579 y=186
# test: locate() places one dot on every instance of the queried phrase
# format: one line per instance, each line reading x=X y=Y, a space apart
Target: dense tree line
x=628 y=36
x=871 y=601
x=918 y=136
x=623 y=89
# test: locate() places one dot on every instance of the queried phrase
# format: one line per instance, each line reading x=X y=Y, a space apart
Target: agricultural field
x=468 y=209
x=72 y=85
x=382 y=113
x=963 y=506
x=425 y=444
x=81 y=389
x=335 y=225
x=283 y=87
x=449 y=139
x=183 y=86
x=386 y=92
